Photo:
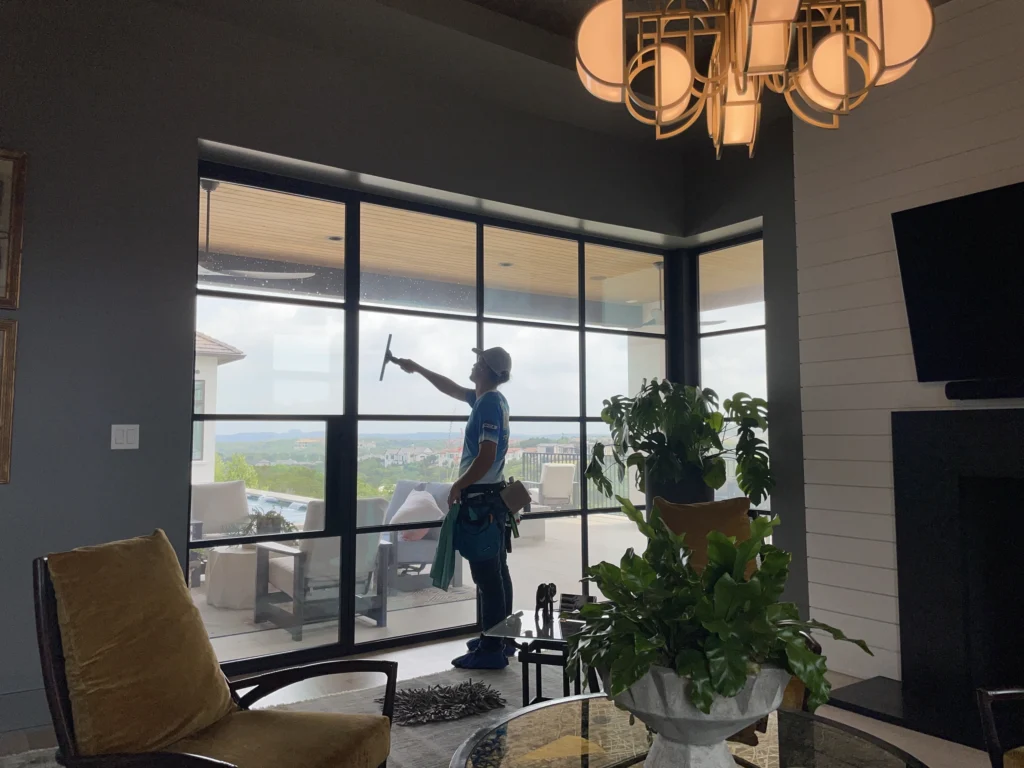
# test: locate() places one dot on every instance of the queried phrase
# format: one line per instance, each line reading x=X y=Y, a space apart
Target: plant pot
x=268 y=526
x=686 y=737
x=688 y=489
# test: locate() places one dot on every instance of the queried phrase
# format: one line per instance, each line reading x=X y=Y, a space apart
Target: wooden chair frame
x=51 y=656
x=986 y=698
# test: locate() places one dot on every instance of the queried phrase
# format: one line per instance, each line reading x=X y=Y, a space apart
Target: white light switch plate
x=124 y=437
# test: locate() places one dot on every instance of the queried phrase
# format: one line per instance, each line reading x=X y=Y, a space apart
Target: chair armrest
x=986 y=698
x=278 y=548
x=531 y=483
x=145 y=760
x=265 y=684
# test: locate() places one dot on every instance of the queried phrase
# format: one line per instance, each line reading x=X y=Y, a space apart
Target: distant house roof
x=207 y=346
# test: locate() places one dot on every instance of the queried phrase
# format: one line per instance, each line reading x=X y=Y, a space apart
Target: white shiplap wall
x=953 y=126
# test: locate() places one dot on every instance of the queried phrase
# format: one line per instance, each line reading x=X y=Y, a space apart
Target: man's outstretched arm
x=442 y=383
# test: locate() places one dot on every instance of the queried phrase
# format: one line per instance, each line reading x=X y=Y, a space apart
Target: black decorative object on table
x=417 y=706
x=546 y=601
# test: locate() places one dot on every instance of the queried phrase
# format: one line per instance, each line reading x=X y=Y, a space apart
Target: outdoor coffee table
x=542 y=645
x=590 y=732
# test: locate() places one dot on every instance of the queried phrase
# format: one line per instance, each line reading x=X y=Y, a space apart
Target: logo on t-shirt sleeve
x=490 y=426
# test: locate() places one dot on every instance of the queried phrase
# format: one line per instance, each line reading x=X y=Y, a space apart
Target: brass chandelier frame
x=729 y=80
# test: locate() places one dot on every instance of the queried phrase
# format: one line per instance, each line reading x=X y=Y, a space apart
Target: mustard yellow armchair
x=132 y=680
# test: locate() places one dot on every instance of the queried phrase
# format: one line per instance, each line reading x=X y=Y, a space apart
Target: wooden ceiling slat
x=277 y=226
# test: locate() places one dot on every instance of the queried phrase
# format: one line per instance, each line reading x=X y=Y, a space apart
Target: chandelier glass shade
x=670 y=61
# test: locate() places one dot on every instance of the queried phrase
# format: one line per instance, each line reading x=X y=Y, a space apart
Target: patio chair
x=555 y=488
x=301 y=584
x=132 y=680
x=411 y=560
x=218 y=507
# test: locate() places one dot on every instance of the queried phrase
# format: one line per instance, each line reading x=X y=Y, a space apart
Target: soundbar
x=985 y=389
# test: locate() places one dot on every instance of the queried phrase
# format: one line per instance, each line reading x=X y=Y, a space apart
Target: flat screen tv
x=962 y=264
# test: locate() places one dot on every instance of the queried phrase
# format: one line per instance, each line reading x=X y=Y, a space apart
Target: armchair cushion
x=140 y=669
x=730 y=517
x=260 y=738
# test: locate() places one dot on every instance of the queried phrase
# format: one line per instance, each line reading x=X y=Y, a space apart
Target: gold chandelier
x=668 y=62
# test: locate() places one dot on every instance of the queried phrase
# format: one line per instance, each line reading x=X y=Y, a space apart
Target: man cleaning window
x=476 y=495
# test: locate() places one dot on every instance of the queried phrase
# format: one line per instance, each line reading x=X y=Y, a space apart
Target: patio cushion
x=419 y=507
x=262 y=738
x=729 y=516
x=140 y=668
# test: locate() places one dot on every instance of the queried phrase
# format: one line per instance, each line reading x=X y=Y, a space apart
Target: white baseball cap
x=497 y=359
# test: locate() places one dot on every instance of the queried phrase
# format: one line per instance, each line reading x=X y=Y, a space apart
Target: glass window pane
x=394 y=595
x=264 y=478
x=259 y=357
x=545 y=369
x=625 y=486
x=552 y=554
x=732 y=288
x=247 y=598
x=609 y=535
x=529 y=276
x=262 y=241
x=416 y=260
x=443 y=346
x=397 y=457
x=546 y=457
x=734 y=363
x=625 y=289
x=618 y=365
x=198 y=432
x=730 y=364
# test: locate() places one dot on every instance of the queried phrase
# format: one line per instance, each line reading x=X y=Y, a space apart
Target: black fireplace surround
x=959 y=490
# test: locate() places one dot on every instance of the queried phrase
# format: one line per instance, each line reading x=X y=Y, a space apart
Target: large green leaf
x=693 y=664
x=714 y=472
x=728 y=664
x=809 y=667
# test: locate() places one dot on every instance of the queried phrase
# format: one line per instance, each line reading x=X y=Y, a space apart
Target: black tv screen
x=962 y=264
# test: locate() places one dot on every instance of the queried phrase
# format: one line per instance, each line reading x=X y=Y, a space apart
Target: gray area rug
x=415 y=746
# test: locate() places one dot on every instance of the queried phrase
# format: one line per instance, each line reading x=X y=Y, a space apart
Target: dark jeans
x=491 y=576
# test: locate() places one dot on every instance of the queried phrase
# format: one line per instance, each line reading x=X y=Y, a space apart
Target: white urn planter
x=686 y=737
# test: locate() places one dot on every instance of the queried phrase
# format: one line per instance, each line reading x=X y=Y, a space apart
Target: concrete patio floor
x=555 y=559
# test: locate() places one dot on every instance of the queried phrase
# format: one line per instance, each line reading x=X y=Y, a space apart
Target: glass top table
x=527 y=626
x=590 y=732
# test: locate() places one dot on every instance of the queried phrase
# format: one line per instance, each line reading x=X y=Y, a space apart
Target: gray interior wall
x=737 y=190
x=109 y=99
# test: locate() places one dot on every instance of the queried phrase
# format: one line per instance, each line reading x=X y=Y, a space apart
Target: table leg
x=539 y=670
x=523 y=659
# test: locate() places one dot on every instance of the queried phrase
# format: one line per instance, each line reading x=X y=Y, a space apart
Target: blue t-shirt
x=487 y=422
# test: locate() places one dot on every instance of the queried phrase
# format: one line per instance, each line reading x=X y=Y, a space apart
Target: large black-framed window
x=732 y=331
x=312 y=279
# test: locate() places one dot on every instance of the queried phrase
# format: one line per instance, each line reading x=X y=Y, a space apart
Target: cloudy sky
x=294 y=365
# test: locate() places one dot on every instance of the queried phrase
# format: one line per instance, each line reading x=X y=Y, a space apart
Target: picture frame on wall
x=12 y=212
x=8 y=342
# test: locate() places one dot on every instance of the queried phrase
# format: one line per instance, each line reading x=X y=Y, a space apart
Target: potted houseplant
x=678 y=440
x=259 y=522
x=698 y=657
